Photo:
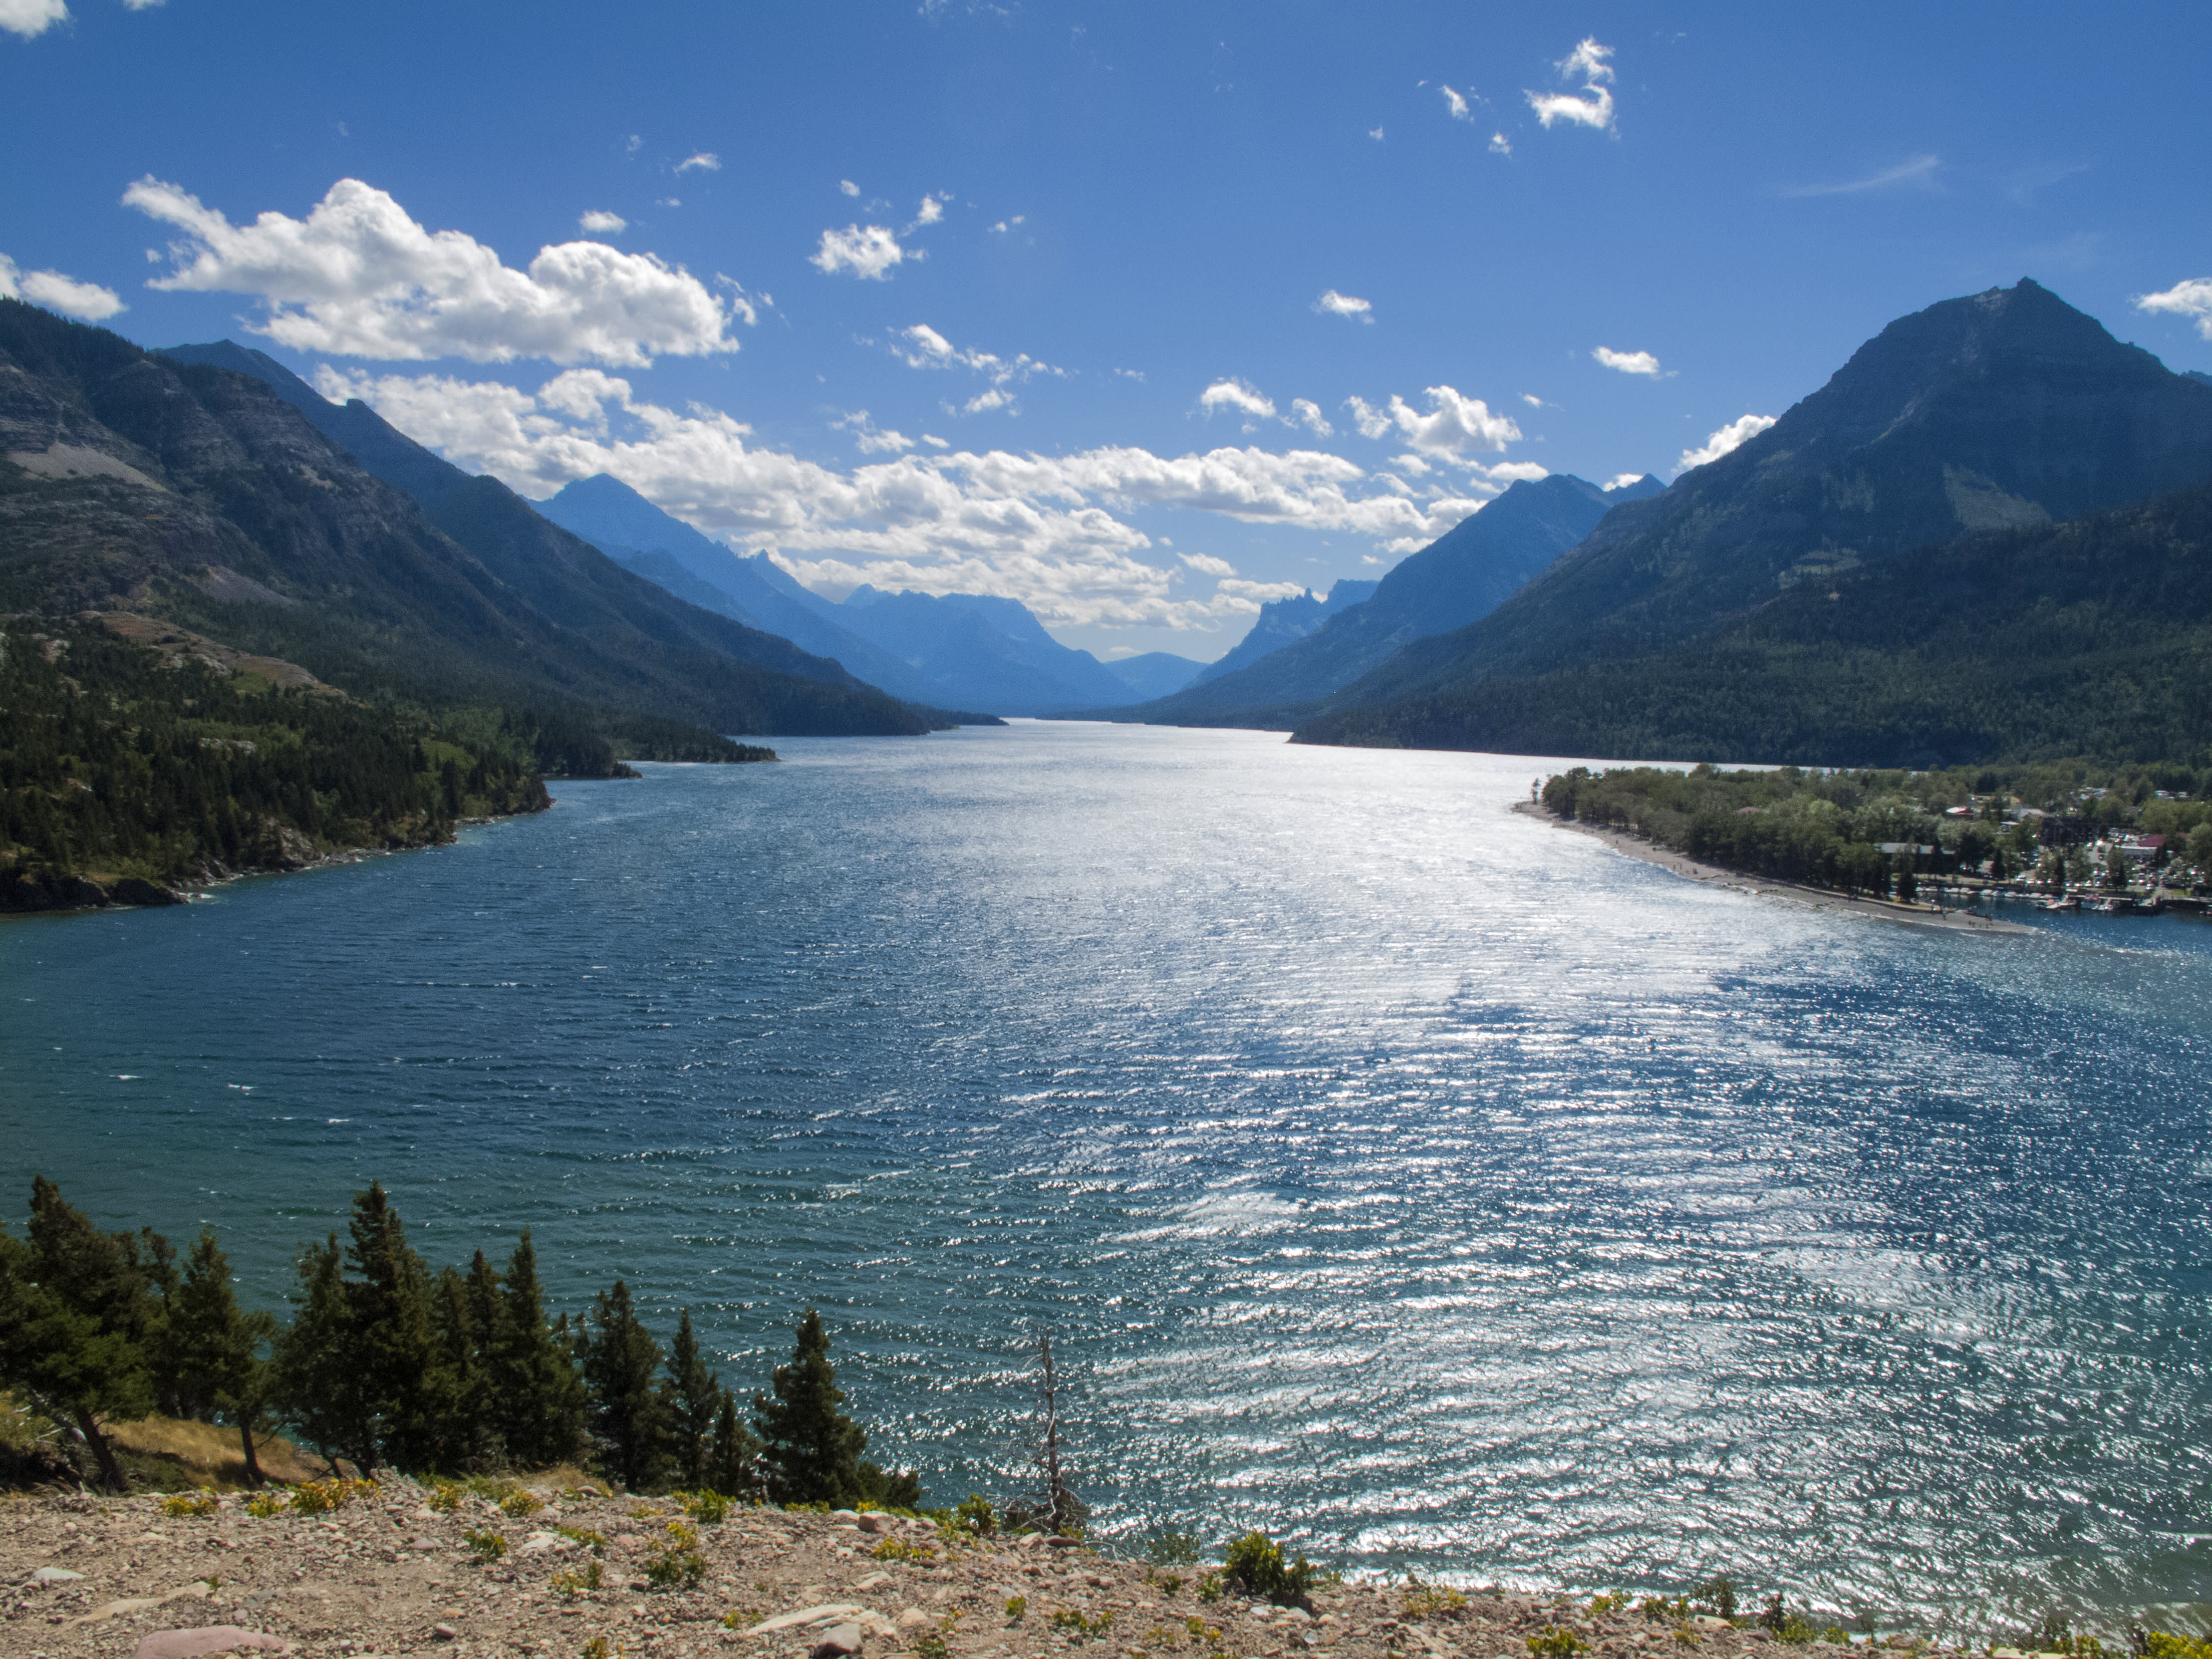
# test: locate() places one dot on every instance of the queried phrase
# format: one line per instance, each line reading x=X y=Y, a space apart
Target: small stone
x=875 y=1522
x=444 y=1634
x=55 y=1576
x=915 y=1619
x=209 y=1638
x=840 y=1640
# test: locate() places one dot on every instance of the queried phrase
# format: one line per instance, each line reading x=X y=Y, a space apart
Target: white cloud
x=848 y=188
x=935 y=442
x=2192 y=298
x=1455 y=104
x=56 y=292
x=1238 y=395
x=868 y=251
x=1918 y=174
x=31 y=18
x=603 y=224
x=1591 y=107
x=1454 y=426
x=1206 y=565
x=921 y=346
x=1535 y=402
x=1622 y=481
x=357 y=277
x=1307 y=413
x=1587 y=60
x=1040 y=528
x=1259 y=593
x=1344 y=305
x=1498 y=146
x=1732 y=436
x=1628 y=362
x=931 y=210
x=1376 y=133
x=705 y=162
x=1004 y=226
x=868 y=437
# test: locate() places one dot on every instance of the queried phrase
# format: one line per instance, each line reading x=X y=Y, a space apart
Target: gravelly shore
x=387 y=1574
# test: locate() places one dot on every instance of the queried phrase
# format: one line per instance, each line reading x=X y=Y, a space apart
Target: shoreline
x=1811 y=898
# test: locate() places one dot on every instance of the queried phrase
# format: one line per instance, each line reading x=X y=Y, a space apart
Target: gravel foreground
x=387 y=1574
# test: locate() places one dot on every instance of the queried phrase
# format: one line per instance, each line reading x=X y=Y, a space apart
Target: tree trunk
x=101 y=1451
x=254 y=1478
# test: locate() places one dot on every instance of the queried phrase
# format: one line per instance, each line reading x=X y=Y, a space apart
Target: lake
x=1428 y=1186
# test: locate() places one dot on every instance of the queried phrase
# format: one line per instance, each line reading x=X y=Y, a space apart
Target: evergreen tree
x=629 y=1417
x=322 y=1392
x=213 y=1349
x=693 y=1394
x=536 y=1389
x=74 y=1317
x=733 y=1467
x=811 y=1448
x=395 y=1340
x=453 y=1389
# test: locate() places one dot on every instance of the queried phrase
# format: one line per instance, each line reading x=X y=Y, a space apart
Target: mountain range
x=1981 y=537
x=1463 y=575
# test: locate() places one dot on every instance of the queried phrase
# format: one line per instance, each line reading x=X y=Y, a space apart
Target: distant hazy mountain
x=1284 y=621
x=631 y=530
x=1465 y=573
x=227 y=505
x=955 y=651
x=2005 y=410
x=1155 y=673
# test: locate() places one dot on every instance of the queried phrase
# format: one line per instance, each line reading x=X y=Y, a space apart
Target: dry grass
x=208 y=1455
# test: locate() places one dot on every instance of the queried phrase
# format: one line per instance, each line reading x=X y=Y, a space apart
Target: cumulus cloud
x=1590 y=107
x=867 y=250
x=1628 y=362
x=52 y=289
x=1498 y=146
x=1206 y=565
x=931 y=210
x=848 y=188
x=1454 y=427
x=1040 y=528
x=1455 y=104
x=1732 y=436
x=602 y=224
x=1376 y=133
x=921 y=346
x=31 y=18
x=705 y=162
x=2192 y=298
x=1238 y=395
x=868 y=438
x=358 y=277
x=1307 y=413
x=1344 y=305
x=1622 y=481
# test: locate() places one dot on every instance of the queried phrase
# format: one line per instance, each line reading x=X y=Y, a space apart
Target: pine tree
x=453 y=1385
x=536 y=1391
x=213 y=1349
x=693 y=1394
x=629 y=1416
x=732 y=1463
x=322 y=1392
x=811 y=1448
x=394 y=1336
x=74 y=1315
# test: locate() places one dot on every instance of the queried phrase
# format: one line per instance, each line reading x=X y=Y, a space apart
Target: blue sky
x=1104 y=373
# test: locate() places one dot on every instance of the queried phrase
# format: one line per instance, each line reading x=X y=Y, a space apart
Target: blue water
x=1425 y=1184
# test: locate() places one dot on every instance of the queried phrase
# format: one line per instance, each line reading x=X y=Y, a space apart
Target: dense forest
x=2093 y=637
x=125 y=770
x=387 y=1364
x=1864 y=831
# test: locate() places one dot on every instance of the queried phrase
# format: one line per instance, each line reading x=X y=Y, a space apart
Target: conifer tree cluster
x=387 y=1364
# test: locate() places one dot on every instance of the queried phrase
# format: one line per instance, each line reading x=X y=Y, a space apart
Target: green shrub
x=1555 y=1642
x=1166 y=1583
x=1081 y=1626
x=577 y=1583
x=520 y=1503
x=1209 y=1587
x=676 y=1562
x=708 y=1508
x=1718 y=1593
x=1173 y=1549
x=1016 y=1607
x=263 y=1504
x=976 y=1517
x=320 y=1496
x=191 y=1503
x=593 y=1541
x=1424 y=1602
x=445 y=1498
x=486 y=1545
x=1253 y=1565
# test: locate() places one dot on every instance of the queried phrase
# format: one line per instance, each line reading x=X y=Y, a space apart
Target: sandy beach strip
x=1813 y=898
